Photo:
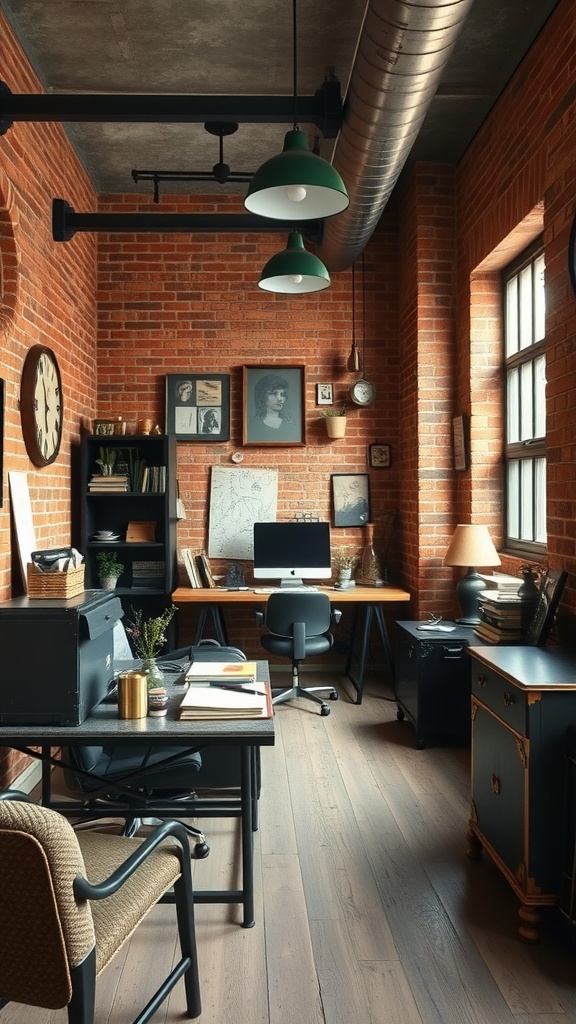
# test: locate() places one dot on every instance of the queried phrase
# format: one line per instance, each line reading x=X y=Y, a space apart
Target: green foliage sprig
x=148 y=636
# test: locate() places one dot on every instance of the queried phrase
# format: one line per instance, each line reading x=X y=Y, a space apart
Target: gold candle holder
x=132 y=695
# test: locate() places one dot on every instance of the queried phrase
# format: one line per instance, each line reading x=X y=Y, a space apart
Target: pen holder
x=132 y=695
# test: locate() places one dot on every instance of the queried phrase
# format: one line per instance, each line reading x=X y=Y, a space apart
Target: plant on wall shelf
x=109 y=568
x=107 y=460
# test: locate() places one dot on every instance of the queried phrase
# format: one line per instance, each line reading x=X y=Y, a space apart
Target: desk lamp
x=471 y=546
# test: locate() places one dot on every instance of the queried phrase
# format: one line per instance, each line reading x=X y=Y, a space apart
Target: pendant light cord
x=363 y=319
x=295 y=63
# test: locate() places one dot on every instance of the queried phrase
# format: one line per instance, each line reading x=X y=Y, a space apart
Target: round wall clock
x=41 y=405
x=363 y=392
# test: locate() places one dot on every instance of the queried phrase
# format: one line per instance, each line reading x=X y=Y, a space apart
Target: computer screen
x=292 y=552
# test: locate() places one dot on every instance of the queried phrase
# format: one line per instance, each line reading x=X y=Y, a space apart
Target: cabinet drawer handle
x=508 y=699
x=452 y=653
x=481 y=679
x=495 y=783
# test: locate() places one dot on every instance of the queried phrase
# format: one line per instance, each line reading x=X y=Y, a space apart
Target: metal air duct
x=403 y=50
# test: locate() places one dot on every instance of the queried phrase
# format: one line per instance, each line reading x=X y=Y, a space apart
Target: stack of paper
x=199 y=673
x=215 y=701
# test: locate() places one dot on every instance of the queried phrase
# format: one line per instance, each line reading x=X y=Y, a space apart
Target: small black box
x=57 y=657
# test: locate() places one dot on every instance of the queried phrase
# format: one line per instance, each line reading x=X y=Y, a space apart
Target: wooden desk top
x=355 y=595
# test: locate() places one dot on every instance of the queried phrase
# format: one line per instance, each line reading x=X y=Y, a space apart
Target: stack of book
x=148 y=575
x=501 y=617
x=198 y=569
x=100 y=484
x=225 y=690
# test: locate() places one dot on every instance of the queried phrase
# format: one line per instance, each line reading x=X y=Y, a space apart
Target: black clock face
x=41 y=405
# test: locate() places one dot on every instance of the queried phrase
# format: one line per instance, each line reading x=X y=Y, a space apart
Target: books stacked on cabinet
x=116 y=483
x=502 y=617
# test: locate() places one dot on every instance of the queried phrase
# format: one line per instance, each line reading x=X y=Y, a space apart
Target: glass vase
x=154 y=674
x=370 y=572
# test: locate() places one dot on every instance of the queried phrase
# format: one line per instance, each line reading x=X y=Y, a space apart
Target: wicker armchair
x=60 y=930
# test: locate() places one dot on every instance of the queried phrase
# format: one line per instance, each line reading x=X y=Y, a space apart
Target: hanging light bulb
x=294 y=271
x=296 y=182
x=353 y=364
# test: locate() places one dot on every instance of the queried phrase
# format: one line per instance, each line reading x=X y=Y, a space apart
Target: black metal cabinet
x=523 y=699
x=148 y=507
x=432 y=681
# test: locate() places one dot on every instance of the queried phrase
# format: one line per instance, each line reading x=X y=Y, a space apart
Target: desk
x=367 y=601
x=103 y=726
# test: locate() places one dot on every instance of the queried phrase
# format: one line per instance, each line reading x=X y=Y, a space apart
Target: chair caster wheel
x=334 y=696
x=324 y=710
x=201 y=851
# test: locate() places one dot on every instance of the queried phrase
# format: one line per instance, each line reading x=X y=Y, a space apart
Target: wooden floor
x=368 y=911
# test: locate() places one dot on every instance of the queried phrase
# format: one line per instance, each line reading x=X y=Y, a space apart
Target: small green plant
x=335 y=410
x=148 y=636
x=345 y=558
x=109 y=565
x=107 y=460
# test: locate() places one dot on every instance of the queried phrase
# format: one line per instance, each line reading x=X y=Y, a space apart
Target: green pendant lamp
x=294 y=271
x=296 y=184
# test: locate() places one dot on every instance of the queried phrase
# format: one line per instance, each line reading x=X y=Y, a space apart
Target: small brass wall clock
x=41 y=405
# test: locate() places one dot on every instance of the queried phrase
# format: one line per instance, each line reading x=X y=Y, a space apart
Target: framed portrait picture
x=324 y=394
x=551 y=587
x=198 y=406
x=350 y=499
x=273 y=412
x=459 y=442
x=379 y=456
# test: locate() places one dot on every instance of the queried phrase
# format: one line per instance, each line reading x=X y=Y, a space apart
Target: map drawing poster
x=238 y=499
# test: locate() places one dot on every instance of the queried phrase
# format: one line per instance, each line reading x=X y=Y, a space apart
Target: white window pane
x=512 y=317
x=513 y=405
x=526 y=334
x=526 y=402
x=540 y=500
x=526 y=497
x=513 y=485
x=540 y=396
x=539 y=299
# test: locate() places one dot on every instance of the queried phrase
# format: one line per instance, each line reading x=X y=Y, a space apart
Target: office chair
x=60 y=930
x=299 y=627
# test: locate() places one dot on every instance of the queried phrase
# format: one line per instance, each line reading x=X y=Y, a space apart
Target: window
x=525 y=402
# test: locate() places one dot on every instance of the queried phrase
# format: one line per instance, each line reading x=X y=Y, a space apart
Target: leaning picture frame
x=198 y=406
x=551 y=586
x=104 y=428
x=273 y=405
x=350 y=499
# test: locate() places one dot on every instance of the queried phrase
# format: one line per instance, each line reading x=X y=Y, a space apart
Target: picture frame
x=379 y=456
x=198 y=406
x=273 y=405
x=324 y=394
x=104 y=428
x=350 y=499
x=460 y=442
x=551 y=586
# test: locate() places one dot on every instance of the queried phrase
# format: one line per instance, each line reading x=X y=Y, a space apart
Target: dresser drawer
x=502 y=697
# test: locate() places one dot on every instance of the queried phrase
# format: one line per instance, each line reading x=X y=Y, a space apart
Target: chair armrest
x=83 y=889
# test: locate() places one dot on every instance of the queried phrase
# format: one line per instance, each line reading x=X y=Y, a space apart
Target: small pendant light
x=294 y=271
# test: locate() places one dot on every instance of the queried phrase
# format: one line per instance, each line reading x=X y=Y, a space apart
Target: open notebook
x=215 y=701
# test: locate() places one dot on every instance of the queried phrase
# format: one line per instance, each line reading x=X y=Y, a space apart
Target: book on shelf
x=209 y=702
x=190 y=566
x=108 y=484
x=204 y=570
x=233 y=672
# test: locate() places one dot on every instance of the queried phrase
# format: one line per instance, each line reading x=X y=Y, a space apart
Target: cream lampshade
x=472 y=546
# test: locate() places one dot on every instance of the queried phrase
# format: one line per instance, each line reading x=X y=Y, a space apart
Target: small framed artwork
x=104 y=427
x=198 y=406
x=324 y=394
x=351 y=499
x=379 y=456
x=551 y=587
x=459 y=442
x=273 y=405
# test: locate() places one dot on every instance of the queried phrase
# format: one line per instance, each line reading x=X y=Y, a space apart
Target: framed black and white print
x=274 y=405
x=198 y=406
x=351 y=499
x=324 y=394
x=379 y=456
x=551 y=587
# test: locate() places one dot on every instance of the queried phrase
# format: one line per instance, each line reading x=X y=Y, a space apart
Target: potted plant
x=107 y=460
x=148 y=637
x=335 y=418
x=345 y=561
x=109 y=569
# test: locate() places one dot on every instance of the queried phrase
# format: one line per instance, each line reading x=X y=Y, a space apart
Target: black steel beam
x=324 y=109
x=66 y=222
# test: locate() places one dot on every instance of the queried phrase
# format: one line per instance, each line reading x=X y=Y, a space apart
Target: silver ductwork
x=403 y=50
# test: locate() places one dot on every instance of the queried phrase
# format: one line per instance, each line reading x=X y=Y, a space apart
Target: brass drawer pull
x=495 y=782
x=509 y=699
x=481 y=679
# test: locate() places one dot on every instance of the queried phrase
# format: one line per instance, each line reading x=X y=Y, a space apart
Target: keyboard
x=282 y=590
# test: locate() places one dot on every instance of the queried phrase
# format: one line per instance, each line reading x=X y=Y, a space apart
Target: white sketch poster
x=22 y=519
x=238 y=499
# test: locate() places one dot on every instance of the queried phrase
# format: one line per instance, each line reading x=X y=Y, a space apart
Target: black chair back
x=308 y=607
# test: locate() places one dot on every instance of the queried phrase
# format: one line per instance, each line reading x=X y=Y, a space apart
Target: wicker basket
x=54 y=584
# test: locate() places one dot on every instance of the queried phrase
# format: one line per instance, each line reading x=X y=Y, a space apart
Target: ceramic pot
x=108 y=582
x=336 y=426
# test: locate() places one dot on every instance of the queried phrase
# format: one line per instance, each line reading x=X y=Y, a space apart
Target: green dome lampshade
x=295 y=270
x=296 y=184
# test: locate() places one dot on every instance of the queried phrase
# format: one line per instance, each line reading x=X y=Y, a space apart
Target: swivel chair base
x=311 y=693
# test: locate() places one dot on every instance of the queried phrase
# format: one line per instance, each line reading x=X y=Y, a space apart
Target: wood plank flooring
x=367 y=910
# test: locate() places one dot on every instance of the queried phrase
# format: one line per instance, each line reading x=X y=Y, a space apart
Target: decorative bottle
x=370 y=574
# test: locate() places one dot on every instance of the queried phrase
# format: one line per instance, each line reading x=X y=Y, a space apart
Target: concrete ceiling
x=228 y=48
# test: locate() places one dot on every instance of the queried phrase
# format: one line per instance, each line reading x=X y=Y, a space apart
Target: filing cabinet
x=432 y=682
x=523 y=699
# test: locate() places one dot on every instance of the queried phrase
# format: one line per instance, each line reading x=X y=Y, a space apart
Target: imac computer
x=292 y=552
